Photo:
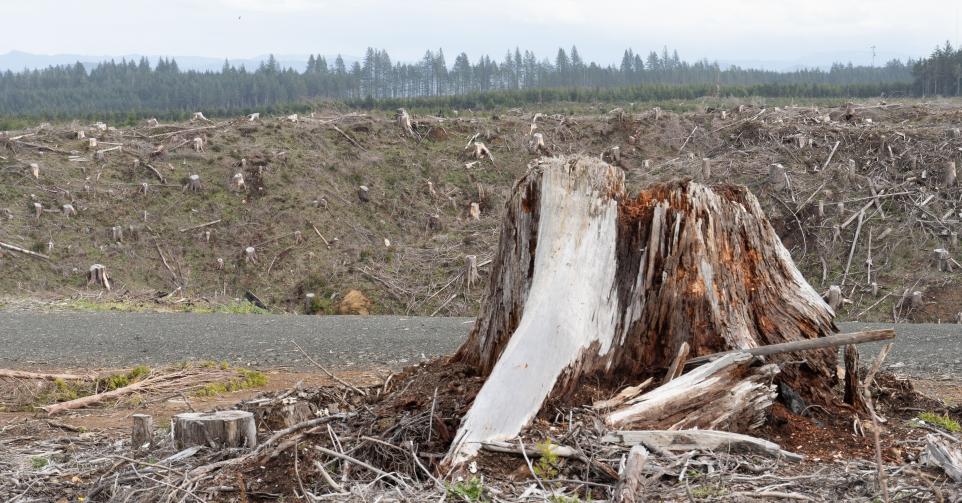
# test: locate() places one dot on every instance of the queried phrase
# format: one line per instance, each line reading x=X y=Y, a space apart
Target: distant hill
x=17 y=61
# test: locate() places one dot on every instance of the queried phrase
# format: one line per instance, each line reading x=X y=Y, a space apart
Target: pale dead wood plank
x=709 y=440
x=806 y=345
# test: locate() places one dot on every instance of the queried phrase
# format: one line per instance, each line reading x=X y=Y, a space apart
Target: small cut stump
x=591 y=284
x=219 y=430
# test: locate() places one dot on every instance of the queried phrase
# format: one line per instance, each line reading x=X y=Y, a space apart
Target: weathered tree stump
x=612 y=155
x=948 y=177
x=537 y=145
x=35 y=170
x=917 y=301
x=219 y=430
x=193 y=184
x=237 y=182
x=404 y=122
x=142 y=431
x=250 y=255
x=591 y=283
x=943 y=259
x=363 y=193
x=480 y=151
x=97 y=275
x=198 y=144
x=777 y=177
x=69 y=210
x=471 y=275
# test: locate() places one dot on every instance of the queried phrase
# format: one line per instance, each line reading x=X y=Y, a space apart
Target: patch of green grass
x=711 y=491
x=240 y=307
x=467 y=490
x=39 y=462
x=65 y=391
x=547 y=465
x=561 y=498
x=248 y=379
x=116 y=381
x=211 y=364
x=944 y=422
x=104 y=306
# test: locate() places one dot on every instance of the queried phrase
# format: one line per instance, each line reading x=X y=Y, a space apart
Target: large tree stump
x=219 y=430
x=589 y=282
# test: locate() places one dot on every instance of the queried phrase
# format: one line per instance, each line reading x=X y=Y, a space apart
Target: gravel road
x=93 y=340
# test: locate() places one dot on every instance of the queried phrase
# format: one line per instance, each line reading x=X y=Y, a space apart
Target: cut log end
x=218 y=430
x=142 y=431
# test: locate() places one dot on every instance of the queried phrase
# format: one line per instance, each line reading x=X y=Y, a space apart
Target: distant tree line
x=136 y=88
x=940 y=73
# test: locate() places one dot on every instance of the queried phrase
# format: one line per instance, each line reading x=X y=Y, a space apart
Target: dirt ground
x=116 y=419
x=815 y=436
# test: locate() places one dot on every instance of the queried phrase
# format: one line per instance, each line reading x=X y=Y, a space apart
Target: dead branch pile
x=334 y=443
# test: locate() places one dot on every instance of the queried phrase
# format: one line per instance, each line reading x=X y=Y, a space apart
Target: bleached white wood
x=689 y=440
x=938 y=452
x=564 y=316
x=744 y=399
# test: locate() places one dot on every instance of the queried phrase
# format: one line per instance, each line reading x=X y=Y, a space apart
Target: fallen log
x=561 y=451
x=23 y=251
x=831 y=341
x=21 y=374
x=622 y=396
x=588 y=281
x=726 y=394
x=84 y=401
x=690 y=440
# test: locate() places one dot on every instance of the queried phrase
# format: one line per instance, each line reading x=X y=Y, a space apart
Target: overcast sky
x=806 y=31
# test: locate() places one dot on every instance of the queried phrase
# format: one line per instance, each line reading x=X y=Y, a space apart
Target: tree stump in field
x=219 y=430
x=97 y=275
x=591 y=284
x=193 y=184
x=142 y=431
x=403 y=119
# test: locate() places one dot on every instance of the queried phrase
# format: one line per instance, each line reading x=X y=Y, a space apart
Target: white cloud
x=727 y=30
x=277 y=6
